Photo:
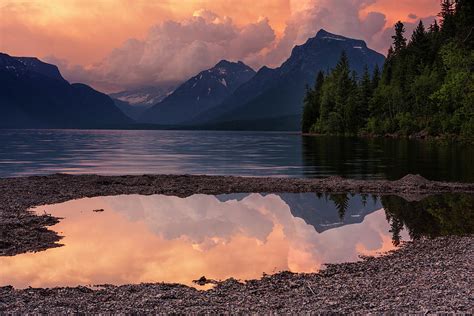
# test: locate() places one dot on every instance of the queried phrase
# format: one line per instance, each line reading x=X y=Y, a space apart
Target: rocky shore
x=424 y=276
x=21 y=231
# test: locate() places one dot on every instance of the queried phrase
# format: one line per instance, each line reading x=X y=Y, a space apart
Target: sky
x=125 y=44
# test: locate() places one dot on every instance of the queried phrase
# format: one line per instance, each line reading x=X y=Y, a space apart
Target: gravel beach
x=428 y=275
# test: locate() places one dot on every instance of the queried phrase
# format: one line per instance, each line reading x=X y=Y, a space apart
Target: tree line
x=425 y=88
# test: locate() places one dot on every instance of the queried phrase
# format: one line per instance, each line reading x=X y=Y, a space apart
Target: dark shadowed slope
x=276 y=95
x=33 y=94
x=200 y=93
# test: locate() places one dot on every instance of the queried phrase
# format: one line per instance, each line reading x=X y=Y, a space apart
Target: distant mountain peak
x=208 y=88
x=322 y=34
x=21 y=65
x=223 y=63
x=327 y=36
x=227 y=63
x=224 y=67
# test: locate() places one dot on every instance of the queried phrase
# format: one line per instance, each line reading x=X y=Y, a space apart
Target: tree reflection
x=441 y=215
x=342 y=203
x=369 y=158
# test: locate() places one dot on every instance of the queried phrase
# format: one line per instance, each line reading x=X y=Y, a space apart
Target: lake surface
x=37 y=152
x=133 y=238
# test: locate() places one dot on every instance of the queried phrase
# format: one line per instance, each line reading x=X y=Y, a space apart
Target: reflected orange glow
x=161 y=238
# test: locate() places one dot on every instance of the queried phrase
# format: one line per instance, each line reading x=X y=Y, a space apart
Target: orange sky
x=85 y=32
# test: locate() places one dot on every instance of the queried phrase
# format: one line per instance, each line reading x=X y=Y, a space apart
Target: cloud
x=337 y=16
x=176 y=50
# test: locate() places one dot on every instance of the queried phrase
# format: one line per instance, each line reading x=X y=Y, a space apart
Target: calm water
x=132 y=238
x=34 y=152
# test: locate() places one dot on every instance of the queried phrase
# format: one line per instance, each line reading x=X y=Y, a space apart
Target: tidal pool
x=134 y=238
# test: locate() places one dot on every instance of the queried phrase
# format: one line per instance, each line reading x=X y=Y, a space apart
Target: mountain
x=135 y=102
x=321 y=212
x=274 y=97
x=33 y=94
x=200 y=93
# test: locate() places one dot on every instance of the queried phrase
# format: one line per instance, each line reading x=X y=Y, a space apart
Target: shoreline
x=413 y=137
x=23 y=231
x=407 y=280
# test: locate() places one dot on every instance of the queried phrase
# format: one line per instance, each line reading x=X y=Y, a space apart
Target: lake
x=117 y=152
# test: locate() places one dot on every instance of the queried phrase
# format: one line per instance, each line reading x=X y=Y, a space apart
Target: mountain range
x=230 y=95
x=135 y=102
x=274 y=97
x=33 y=94
x=199 y=94
x=320 y=211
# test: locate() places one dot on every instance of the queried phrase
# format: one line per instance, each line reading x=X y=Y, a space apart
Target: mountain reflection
x=169 y=239
x=165 y=238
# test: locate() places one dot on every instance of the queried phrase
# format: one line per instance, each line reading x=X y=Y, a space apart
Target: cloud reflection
x=164 y=238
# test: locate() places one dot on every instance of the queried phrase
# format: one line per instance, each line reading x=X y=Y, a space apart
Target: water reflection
x=381 y=158
x=134 y=238
x=442 y=215
x=33 y=152
x=164 y=238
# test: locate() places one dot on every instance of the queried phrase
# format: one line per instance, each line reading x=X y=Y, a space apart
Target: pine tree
x=448 y=24
x=376 y=77
x=447 y=9
x=399 y=40
x=420 y=45
x=434 y=28
x=419 y=34
x=312 y=104
x=340 y=122
x=308 y=114
x=366 y=90
x=464 y=16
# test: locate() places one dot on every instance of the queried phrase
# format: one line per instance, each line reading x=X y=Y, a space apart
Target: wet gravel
x=424 y=276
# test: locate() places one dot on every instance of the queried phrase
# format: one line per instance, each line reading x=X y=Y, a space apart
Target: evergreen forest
x=426 y=87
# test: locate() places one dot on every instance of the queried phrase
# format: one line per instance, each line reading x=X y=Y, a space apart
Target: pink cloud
x=173 y=51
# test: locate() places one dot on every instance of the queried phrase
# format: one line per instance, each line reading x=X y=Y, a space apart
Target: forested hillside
x=426 y=87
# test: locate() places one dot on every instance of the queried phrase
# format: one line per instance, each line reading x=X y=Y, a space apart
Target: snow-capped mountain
x=146 y=96
x=135 y=102
x=198 y=94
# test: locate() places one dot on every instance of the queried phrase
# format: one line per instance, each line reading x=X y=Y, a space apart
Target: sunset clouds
x=121 y=44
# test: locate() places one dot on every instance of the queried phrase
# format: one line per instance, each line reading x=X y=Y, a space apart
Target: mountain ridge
x=35 y=95
x=206 y=89
x=276 y=93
